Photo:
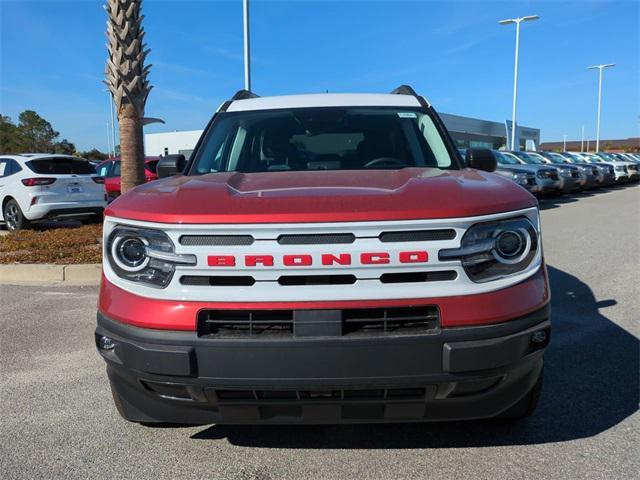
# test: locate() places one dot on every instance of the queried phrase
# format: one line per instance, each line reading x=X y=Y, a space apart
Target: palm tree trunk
x=131 y=149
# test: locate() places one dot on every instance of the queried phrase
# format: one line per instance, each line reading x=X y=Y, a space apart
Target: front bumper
x=589 y=182
x=569 y=184
x=547 y=185
x=454 y=374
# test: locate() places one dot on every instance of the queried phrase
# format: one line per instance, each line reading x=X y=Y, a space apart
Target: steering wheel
x=385 y=161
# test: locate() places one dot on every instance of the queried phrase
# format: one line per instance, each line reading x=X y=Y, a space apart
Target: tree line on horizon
x=34 y=134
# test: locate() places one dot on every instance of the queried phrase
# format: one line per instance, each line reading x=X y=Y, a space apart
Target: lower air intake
x=419 y=320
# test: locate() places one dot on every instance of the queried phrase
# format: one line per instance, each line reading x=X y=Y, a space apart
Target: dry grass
x=55 y=245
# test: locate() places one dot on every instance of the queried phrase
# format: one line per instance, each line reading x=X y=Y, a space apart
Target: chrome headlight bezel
x=157 y=264
x=481 y=255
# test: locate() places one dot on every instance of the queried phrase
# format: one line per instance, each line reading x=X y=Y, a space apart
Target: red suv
x=323 y=259
x=110 y=170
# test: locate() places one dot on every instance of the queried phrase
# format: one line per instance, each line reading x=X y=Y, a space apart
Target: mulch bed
x=67 y=245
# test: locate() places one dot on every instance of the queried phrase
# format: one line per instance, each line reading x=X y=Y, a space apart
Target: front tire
x=13 y=216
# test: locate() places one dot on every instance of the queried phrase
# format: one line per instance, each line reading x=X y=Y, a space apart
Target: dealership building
x=466 y=132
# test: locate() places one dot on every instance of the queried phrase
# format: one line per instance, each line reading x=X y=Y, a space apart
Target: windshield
x=527 y=158
x=537 y=158
x=505 y=159
x=512 y=158
x=321 y=139
x=572 y=158
x=556 y=157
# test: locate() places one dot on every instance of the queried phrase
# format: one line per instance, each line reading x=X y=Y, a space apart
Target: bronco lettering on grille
x=326 y=259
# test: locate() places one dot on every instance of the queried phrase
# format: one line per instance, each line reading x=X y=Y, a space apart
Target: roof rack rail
x=404 y=90
x=408 y=90
x=243 y=95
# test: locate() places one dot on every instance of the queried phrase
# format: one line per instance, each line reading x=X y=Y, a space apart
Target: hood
x=321 y=196
x=524 y=167
x=509 y=168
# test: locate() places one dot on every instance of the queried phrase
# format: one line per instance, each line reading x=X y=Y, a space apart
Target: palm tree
x=126 y=77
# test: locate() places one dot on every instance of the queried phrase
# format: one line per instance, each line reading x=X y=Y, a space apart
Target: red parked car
x=324 y=259
x=110 y=170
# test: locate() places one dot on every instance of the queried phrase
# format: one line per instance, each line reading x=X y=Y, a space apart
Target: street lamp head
x=605 y=65
x=507 y=21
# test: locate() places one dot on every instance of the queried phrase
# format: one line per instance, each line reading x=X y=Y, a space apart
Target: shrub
x=56 y=245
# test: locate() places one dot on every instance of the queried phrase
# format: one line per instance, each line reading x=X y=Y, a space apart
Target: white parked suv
x=37 y=187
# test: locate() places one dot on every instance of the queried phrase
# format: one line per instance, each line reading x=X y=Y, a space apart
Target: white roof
x=324 y=100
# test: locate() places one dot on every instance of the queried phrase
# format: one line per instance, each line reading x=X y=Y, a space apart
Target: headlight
x=519 y=177
x=565 y=172
x=494 y=250
x=144 y=255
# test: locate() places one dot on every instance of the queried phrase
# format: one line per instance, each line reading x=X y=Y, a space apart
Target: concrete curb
x=46 y=274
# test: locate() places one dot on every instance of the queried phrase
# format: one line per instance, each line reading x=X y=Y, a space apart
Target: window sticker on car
x=407 y=115
x=3 y=167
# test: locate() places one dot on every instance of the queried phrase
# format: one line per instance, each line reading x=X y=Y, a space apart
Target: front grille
x=420 y=320
x=301 y=280
x=575 y=173
x=531 y=179
x=218 y=280
x=313 y=395
x=412 y=277
x=317 y=239
x=290 y=280
x=377 y=321
x=216 y=240
x=245 y=323
x=552 y=174
x=418 y=235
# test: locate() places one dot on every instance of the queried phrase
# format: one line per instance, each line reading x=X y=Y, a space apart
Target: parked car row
x=551 y=173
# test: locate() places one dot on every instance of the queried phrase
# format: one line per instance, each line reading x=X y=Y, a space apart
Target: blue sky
x=52 y=56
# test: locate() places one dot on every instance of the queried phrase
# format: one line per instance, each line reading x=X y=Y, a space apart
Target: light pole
x=517 y=21
x=582 y=140
x=564 y=143
x=600 y=69
x=247 y=56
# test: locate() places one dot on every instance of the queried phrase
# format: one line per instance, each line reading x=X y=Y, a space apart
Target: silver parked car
x=632 y=166
x=547 y=177
x=622 y=168
x=522 y=176
x=606 y=174
x=589 y=172
x=569 y=174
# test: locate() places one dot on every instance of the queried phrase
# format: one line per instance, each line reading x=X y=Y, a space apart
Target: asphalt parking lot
x=58 y=419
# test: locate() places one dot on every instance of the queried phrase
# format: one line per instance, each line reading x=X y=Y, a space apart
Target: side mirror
x=171 y=165
x=481 y=159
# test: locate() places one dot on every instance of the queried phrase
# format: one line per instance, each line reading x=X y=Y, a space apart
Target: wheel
x=525 y=406
x=13 y=216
